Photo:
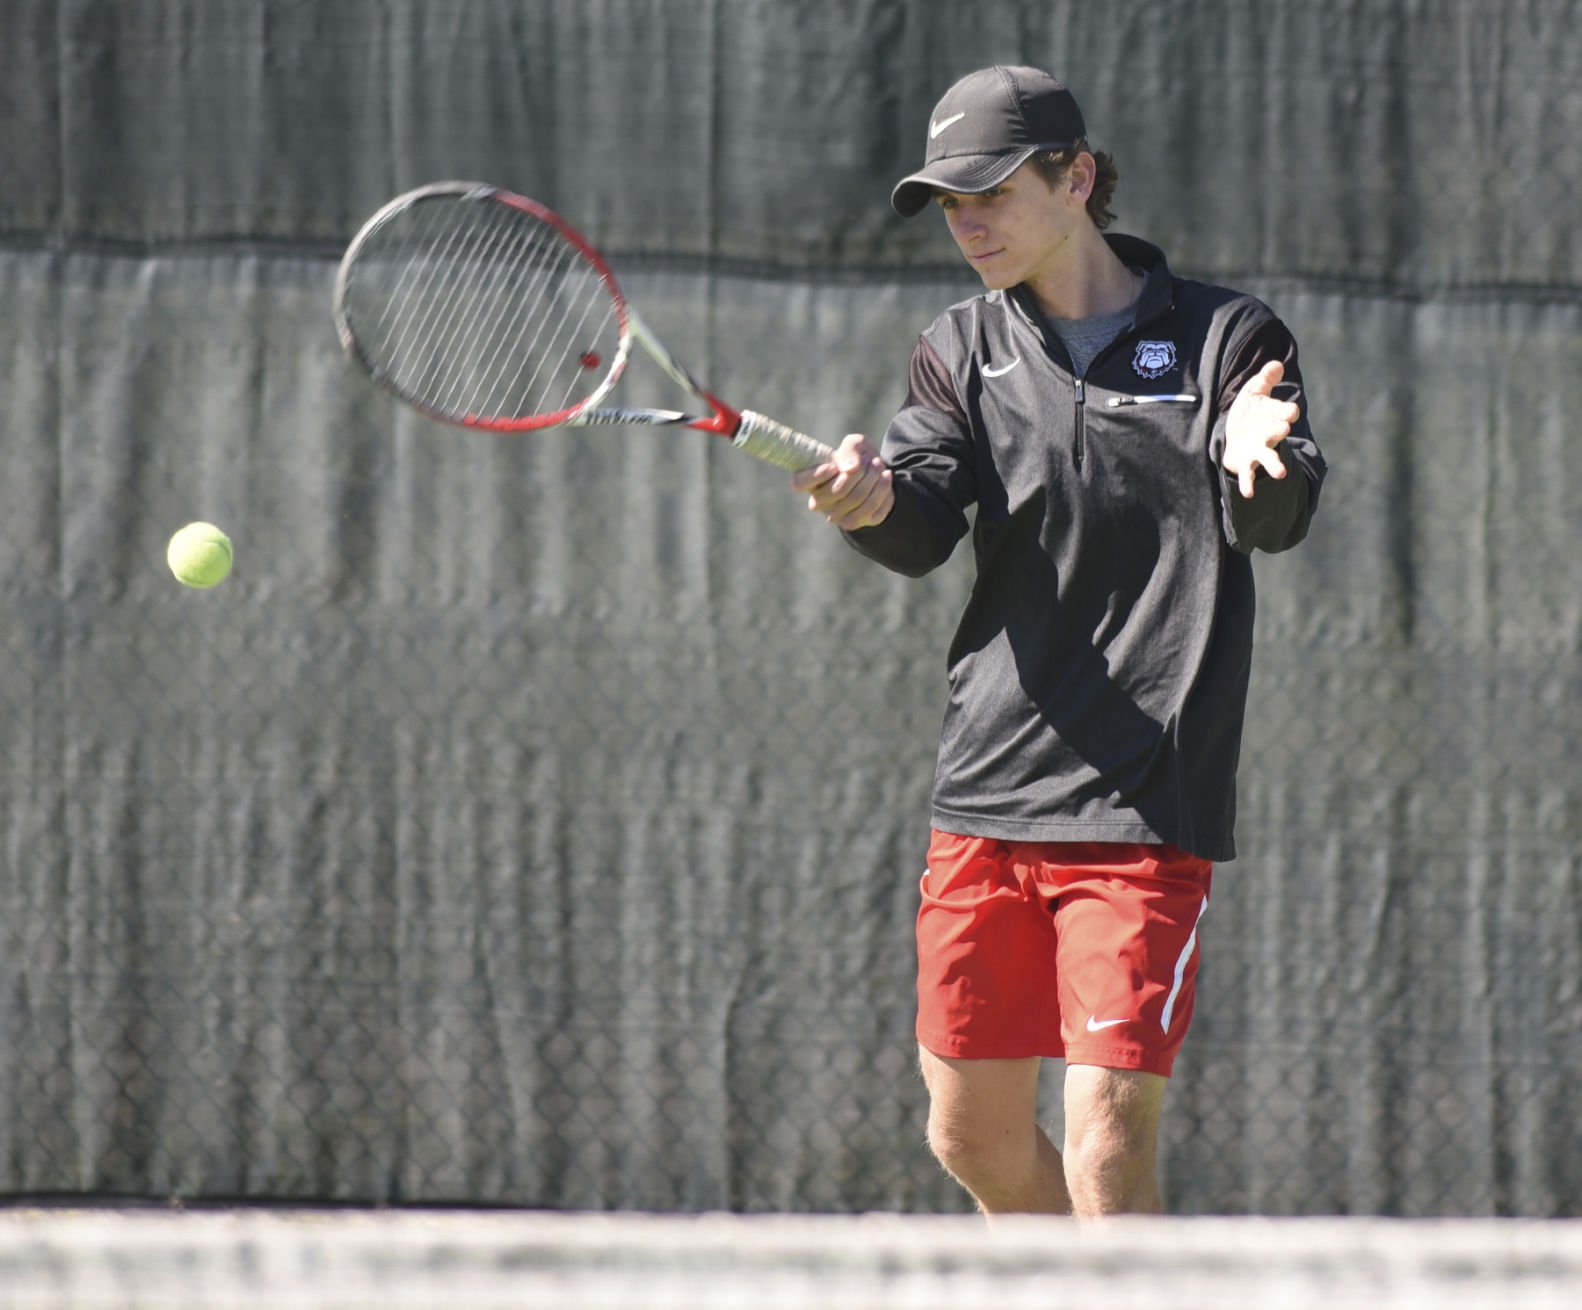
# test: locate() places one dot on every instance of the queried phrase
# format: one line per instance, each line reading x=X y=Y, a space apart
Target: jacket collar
x=1158 y=292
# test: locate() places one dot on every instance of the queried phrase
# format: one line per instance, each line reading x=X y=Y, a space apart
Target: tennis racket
x=486 y=309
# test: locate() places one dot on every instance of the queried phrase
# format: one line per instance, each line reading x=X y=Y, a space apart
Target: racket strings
x=478 y=310
x=456 y=313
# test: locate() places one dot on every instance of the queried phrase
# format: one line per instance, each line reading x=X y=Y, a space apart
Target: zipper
x=1081 y=437
x=1180 y=398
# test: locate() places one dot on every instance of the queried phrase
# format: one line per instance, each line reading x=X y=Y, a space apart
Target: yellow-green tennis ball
x=199 y=555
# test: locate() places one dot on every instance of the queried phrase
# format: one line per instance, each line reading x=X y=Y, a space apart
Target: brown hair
x=1053 y=165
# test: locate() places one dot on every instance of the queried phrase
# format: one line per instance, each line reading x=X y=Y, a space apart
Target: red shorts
x=1086 y=950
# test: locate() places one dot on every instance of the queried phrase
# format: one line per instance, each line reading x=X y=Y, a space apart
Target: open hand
x=1256 y=424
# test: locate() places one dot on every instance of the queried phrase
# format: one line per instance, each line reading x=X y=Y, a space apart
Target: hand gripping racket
x=483 y=308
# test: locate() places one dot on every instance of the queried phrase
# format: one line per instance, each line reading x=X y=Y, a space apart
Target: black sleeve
x=929 y=449
x=1278 y=515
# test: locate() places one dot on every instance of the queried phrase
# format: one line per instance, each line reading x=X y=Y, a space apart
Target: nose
x=965 y=226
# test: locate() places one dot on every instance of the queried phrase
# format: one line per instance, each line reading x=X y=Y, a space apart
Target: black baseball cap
x=986 y=127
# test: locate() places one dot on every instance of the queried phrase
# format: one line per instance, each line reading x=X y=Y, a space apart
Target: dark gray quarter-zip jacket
x=1098 y=676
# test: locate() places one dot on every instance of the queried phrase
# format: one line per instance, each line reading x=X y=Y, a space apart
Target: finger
x=853 y=467
x=823 y=497
x=1264 y=381
x=1270 y=463
x=1266 y=422
x=851 y=484
x=873 y=507
x=1245 y=480
x=871 y=466
x=818 y=496
x=1279 y=414
x=1275 y=433
x=845 y=495
x=811 y=479
x=852 y=451
x=852 y=519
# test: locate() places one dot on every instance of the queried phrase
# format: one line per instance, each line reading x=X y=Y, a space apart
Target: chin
x=997 y=274
x=997 y=281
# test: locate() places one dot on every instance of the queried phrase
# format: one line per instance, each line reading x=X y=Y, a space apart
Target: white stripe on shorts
x=1181 y=964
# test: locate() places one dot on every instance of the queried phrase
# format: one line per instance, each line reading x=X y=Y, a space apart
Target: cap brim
x=964 y=174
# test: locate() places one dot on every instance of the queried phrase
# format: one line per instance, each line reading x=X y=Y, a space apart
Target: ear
x=1081 y=176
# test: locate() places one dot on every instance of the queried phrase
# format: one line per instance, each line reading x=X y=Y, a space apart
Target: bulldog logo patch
x=1154 y=358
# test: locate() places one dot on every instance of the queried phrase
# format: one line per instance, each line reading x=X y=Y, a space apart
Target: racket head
x=483 y=308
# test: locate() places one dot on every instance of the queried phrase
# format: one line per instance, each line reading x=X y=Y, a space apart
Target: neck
x=1093 y=280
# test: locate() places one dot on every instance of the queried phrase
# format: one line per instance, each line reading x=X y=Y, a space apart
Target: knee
x=1111 y=1176
x=1099 y=1151
x=975 y=1153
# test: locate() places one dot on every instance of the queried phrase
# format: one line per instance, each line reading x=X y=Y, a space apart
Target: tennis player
x=1127 y=439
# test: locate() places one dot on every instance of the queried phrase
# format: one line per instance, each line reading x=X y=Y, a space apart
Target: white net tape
x=454 y=1260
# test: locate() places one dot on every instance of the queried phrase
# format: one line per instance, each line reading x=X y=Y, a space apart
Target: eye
x=945 y=200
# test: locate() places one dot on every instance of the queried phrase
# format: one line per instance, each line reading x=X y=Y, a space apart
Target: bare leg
x=983 y=1127
x=1112 y=1139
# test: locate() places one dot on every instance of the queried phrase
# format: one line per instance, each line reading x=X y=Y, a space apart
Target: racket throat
x=726 y=420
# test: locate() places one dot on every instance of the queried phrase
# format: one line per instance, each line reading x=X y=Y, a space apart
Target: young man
x=1128 y=439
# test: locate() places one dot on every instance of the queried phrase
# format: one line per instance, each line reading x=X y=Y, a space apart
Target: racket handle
x=779 y=445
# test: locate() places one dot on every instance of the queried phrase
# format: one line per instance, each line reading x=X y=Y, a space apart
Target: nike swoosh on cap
x=934 y=129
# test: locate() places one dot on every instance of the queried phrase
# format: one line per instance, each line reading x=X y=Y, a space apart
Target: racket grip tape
x=779 y=445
